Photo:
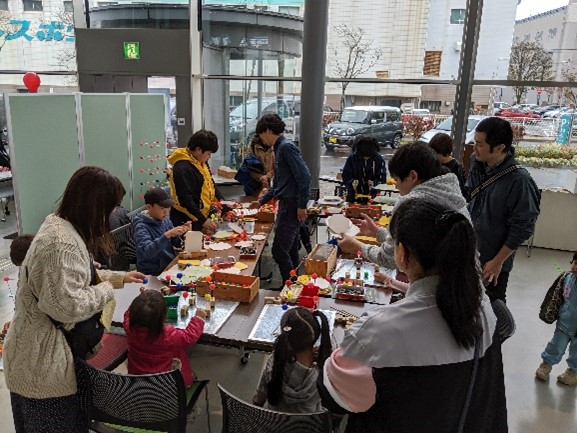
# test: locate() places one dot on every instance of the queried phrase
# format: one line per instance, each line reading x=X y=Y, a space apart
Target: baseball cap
x=158 y=196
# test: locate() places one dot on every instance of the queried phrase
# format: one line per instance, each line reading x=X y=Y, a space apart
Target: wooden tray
x=241 y=288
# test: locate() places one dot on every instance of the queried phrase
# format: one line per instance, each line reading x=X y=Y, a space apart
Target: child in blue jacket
x=565 y=332
x=154 y=234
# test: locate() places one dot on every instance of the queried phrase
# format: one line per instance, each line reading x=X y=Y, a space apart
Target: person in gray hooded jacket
x=289 y=380
x=417 y=174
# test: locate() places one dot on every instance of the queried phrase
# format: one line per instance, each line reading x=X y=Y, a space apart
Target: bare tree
x=568 y=74
x=5 y=27
x=360 y=55
x=528 y=61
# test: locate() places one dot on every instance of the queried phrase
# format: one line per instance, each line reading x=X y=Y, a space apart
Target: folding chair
x=114 y=352
x=130 y=403
x=242 y=417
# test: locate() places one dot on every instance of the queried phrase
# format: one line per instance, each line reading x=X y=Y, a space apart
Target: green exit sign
x=132 y=50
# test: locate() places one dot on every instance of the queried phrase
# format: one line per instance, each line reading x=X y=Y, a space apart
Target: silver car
x=445 y=127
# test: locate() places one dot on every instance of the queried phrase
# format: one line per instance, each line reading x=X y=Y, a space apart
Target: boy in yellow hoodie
x=192 y=187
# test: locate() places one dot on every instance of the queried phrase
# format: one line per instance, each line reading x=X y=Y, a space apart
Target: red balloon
x=31 y=81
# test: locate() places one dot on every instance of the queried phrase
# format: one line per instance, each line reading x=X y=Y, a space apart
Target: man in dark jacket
x=291 y=186
x=503 y=212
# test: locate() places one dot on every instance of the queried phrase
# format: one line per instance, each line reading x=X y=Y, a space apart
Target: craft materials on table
x=224 y=234
x=186 y=276
x=218 y=314
x=219 y=246
x=267 y=326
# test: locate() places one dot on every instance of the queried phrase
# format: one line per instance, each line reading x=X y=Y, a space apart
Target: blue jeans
x=285 y=247
x=556 y=349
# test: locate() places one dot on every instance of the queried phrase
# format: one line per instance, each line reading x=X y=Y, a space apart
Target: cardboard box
x=231 y=287
x=322 y=268
x=266 y=217
x=226 y=172
x=355 y=211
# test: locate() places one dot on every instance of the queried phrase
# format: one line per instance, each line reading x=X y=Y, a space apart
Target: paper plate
x=219 y=246
x=383 y=199
x=331 y=198
x=244 y=244
x=231 y=270
x=334 y=210
x=339 y=223
x=228 y=203
x=223 y=235
x=258 y=237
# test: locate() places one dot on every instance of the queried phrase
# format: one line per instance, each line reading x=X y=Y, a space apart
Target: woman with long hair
x=58 y=282
x=406 y=367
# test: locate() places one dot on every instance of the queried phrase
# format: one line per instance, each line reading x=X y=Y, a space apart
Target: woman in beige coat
x=55 y=282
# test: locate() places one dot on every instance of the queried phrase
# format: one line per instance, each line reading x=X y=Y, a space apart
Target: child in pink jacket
x=152 y=345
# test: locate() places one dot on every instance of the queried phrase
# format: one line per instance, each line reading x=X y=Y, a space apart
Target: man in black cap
x=154 y=234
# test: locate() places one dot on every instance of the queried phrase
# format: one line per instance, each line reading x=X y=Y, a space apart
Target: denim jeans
x=556 y=349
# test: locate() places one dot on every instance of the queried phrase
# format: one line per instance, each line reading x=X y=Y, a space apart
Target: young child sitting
x=154 y=234
x=152 y=345
x=564 y=332
x=289 y=380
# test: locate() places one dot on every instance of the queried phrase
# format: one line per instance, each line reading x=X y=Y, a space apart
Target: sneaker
x=543 y=371
x=568 y=377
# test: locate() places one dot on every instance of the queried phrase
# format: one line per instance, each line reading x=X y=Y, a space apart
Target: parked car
x=243 y=119
x=527 y=107
x=557 y=113
x=499 y=106
x=543 y=110
x=516 y=113
x=445 y=127
x=382 y=122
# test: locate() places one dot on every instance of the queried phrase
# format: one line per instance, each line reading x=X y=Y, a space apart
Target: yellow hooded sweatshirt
x=208 y=194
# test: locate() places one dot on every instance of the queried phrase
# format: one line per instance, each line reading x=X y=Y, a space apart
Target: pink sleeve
x=180 y=338
x=349 y=383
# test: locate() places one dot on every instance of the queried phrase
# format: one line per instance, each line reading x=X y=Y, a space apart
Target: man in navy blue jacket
x=154 y=234
x=291 y=186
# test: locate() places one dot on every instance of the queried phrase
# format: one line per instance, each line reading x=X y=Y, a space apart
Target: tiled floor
x=534 y=407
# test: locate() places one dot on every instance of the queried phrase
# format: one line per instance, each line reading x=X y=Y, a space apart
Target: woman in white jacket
x=55 y=282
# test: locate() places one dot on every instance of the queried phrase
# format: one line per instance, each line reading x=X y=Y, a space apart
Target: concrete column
x=473 y=12
x=316 y=21
x=196 y=82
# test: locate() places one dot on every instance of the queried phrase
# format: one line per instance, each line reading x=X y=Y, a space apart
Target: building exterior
x=37 y=35
x=398 y=29
x=443 y=50
x=556 y=31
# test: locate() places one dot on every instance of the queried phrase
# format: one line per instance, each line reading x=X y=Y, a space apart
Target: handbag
x=251 y=164
x=85 y=337
x=553 y=300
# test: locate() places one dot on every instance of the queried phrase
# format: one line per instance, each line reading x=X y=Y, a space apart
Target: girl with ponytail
x=406 y=367
x=289 y=380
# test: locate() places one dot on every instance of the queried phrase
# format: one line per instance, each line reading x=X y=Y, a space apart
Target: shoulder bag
x=493 y=178
x=553 y=300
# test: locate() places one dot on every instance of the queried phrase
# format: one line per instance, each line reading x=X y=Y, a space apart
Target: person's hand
x=134 y=277
x=263 y=180
x=96 y=264
x=302 y=215
x=5 y=330
x=177 y=231
x=254 y=205
x=367 y=226
x=209 y=226
x=188 y=225
x=200 y=313
x=491 y=271
x=381 y=277
x=349 y=244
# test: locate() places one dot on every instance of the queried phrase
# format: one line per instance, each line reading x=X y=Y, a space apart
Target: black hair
x=148 y=310
x=270 y=121
x=417 y=157
x=444 y=240
x=574 y=256
x=299 y=331
x=366 y=146
x=19 y=247
x=206 y=140
x=497 y=131
x=442 y=144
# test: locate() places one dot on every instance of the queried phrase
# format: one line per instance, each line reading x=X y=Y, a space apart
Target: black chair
x=241 y=417
x=152 y=401
x=125 y=248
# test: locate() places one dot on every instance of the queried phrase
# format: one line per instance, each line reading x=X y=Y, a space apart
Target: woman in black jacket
x=365 y=168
